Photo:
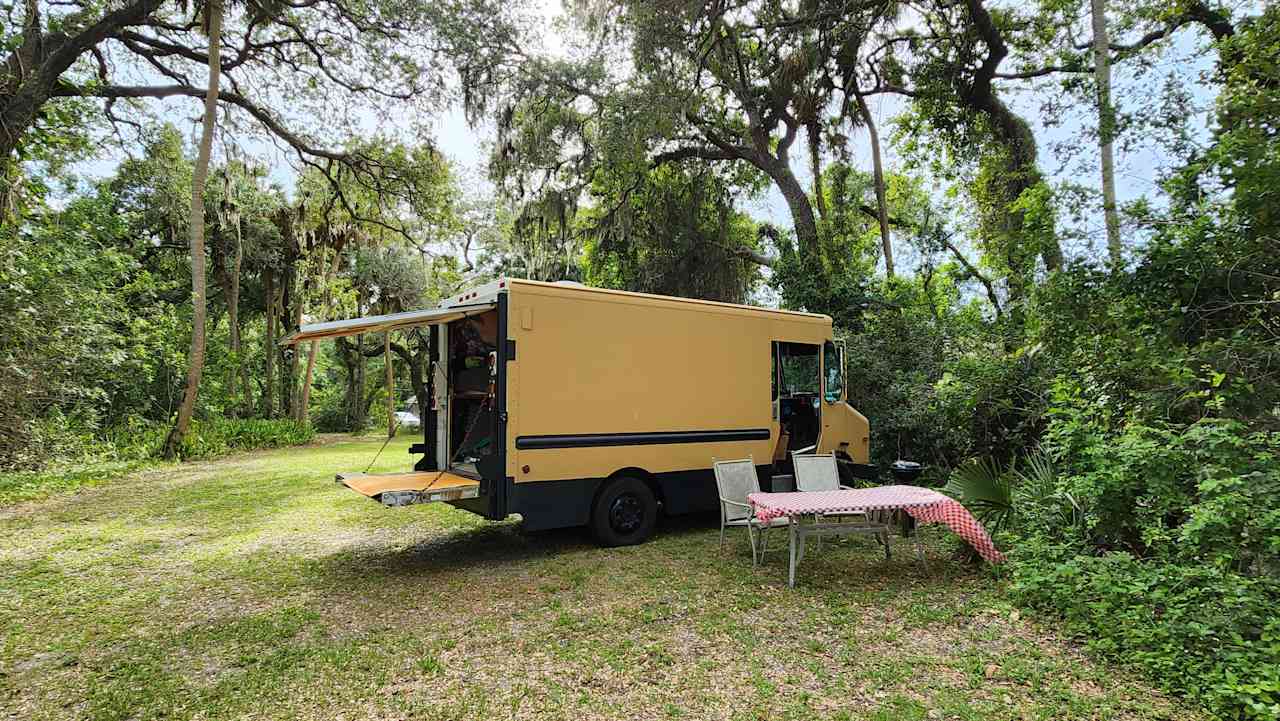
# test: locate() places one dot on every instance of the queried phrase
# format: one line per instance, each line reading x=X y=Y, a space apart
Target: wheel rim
x=626 y=513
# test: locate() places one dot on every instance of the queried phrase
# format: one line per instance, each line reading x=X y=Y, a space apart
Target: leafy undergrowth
x=18 y=486
x=219 y=436
x=1196 y=629
x=137 y=446
x=253 y=586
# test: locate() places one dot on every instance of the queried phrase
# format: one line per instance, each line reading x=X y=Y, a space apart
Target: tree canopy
x=304 y=76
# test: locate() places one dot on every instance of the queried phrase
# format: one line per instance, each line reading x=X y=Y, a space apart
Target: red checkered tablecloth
x=925 y=505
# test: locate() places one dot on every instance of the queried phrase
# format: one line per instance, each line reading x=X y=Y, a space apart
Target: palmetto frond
x=985 y=489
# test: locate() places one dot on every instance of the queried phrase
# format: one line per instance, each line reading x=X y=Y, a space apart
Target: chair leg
x=722 y=535
x=924 y=563
x=885 y=539
x=791 y=572
x=752 y=538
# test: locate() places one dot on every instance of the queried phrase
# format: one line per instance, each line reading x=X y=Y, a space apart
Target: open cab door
x=422 y=485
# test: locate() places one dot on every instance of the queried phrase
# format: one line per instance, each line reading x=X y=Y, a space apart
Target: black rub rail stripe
x=595 y=440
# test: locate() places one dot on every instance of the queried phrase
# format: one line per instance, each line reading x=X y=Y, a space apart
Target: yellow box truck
x=575 y=406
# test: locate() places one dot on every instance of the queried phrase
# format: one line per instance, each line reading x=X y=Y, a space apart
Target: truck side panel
x=610 y=382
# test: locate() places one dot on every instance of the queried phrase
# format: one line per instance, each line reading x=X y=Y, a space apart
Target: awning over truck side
x=379 y=323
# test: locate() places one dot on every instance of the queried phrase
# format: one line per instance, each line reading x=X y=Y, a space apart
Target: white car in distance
x=406 y=419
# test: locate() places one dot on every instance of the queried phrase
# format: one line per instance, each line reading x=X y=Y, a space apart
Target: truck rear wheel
x=624 y=512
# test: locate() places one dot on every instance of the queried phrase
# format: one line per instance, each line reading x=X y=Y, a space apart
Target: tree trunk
x=353 y=360
x=222 y=277
x=304 y=393
x=284 y=382
x=1106 y=130
x=1022 y=171
x=290 y=318
x=330 y=270
x=358 y=409
x=195 y=359
x=360 y=414
x=233 y=321
x=304 y=401
x=882 y=206
x=416 y=362
x=284 y=406
x=295 y=359
x=246 y=401
x=815 y=162
x=802 y=217
x=391 y=385
x=269 y=355
x=351 y=393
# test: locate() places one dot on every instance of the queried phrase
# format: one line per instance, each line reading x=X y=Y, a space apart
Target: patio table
x=923 y=504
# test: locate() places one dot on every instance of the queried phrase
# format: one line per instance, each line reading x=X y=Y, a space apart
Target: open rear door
x=403 y=489
x=399 y=489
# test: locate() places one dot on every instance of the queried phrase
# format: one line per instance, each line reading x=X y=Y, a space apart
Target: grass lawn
x=255 y=587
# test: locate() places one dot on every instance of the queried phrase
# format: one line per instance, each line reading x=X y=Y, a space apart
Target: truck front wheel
x=624 y=512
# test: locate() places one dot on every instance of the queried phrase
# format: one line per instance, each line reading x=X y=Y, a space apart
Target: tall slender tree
x=877 y=166
x=212 y=12
x=1106 y=128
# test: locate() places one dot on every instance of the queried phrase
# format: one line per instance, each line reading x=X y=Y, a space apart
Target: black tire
x=624 y=512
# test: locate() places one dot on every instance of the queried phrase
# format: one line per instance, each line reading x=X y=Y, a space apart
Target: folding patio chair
x=735 y=480
x=816 y=472
x=821 y=472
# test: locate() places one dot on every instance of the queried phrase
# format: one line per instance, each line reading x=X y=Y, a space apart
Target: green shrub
x=932 y=375
x=1196 y=629
x=986 y=489
x=331 y=418
x=217 y=436
x=81 y=457
x=136 y=439
x=1025 y=493
x=63 y=441
x=73 y=454
x=1166 y=551
x=1207 y=492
